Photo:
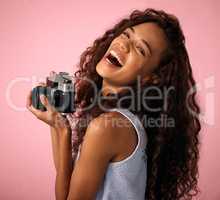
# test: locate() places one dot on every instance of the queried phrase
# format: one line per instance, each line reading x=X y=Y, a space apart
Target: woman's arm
x=101 y=144
x=98 y=148
x=55 y=146
x=65 y=168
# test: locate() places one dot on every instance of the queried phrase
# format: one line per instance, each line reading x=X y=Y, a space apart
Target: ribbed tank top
x=126 y=179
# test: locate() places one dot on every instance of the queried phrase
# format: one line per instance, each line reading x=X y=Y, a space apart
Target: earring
x=155 y=79
x=152 y=79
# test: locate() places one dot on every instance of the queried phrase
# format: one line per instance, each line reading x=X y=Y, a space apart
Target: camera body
x=59 y=91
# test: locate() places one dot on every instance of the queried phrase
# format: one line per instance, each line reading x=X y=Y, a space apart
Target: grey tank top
x=126 y=179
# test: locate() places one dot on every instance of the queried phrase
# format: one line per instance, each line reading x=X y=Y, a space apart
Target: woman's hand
x=50 y=116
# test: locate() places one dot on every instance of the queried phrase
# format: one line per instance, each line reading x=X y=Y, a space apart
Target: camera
x=59 y=91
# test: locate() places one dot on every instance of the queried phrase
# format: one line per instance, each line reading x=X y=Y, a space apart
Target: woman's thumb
x=46 y=103
x=43 y=100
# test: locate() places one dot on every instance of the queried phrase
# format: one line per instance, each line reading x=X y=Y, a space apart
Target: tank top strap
x=140 y=130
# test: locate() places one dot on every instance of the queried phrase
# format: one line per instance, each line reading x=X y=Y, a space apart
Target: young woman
x=143 y=79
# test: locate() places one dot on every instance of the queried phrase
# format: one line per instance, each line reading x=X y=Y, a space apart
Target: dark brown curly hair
x=172 y=152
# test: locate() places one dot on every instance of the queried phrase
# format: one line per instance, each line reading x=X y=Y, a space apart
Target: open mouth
x=113 y=59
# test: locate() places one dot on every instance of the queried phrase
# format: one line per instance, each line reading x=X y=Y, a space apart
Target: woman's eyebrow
x=148 y=46
x=144 y=41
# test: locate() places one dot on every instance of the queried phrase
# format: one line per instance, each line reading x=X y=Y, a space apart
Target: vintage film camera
x=60 y=92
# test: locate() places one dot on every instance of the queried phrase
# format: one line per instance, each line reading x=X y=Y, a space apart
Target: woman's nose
x=124 y=46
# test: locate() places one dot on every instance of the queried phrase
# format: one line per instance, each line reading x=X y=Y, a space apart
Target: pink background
x=37 y=36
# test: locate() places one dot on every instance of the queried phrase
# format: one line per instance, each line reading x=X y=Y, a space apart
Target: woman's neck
x=108 y=88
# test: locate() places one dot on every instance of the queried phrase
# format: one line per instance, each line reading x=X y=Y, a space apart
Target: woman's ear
x=150 y=79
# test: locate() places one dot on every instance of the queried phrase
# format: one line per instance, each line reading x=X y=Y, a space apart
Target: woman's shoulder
x=113 y=125
x=112 y=120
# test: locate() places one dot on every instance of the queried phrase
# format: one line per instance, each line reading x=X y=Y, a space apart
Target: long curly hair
x=172 y=151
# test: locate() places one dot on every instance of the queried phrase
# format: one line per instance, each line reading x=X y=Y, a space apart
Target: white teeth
x=115 y=55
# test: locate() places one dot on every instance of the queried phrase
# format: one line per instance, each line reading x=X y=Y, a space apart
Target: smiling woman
x=148 y=46
x=132 y=159
x=138 y=49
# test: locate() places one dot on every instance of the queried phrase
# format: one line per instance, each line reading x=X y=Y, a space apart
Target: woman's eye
x=126 y=34
x=141 y=50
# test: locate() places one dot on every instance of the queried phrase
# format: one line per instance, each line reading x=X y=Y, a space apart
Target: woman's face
x=136 y=51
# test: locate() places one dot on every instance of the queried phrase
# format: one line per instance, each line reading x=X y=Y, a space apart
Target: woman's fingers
x=30 y=107
x=42 y=84
x=35 y=111
x=42 y=115
x=44 y=100
x=29 y=97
